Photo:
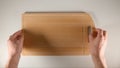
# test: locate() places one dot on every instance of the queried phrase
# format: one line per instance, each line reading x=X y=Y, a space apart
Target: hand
x=97 y=42
x=15 y=43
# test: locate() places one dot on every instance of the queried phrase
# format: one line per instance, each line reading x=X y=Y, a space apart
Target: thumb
x=91 y=36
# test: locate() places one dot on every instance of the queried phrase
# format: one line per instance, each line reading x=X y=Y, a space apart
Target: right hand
x=98 y=43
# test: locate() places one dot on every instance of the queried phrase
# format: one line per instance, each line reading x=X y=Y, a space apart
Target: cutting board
x=56 y=33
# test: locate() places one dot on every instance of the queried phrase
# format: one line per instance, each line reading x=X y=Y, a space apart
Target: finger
x=105 y=34
x=16 y=34
x=91 y=36
x=99 y=33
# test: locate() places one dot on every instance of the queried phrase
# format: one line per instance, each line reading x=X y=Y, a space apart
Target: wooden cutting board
x=56 y=34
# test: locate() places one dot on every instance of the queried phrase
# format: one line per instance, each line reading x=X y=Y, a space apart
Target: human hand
x=15 y=43
x=97 y=42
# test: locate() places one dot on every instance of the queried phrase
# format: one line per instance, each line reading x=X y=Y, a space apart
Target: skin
x=15 y=44
x=97 y=45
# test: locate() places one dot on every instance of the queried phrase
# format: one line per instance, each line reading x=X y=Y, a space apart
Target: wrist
x=13 y=61
x=14 y=56
x=98 y=56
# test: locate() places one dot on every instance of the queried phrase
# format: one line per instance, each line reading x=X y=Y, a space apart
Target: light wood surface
x=58 y=34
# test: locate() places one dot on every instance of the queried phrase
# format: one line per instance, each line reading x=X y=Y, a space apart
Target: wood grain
x=56 y=33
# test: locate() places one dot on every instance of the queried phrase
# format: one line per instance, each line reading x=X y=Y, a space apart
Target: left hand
x=15 y=43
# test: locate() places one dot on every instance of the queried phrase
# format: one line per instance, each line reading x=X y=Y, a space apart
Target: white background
x=106 y=15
